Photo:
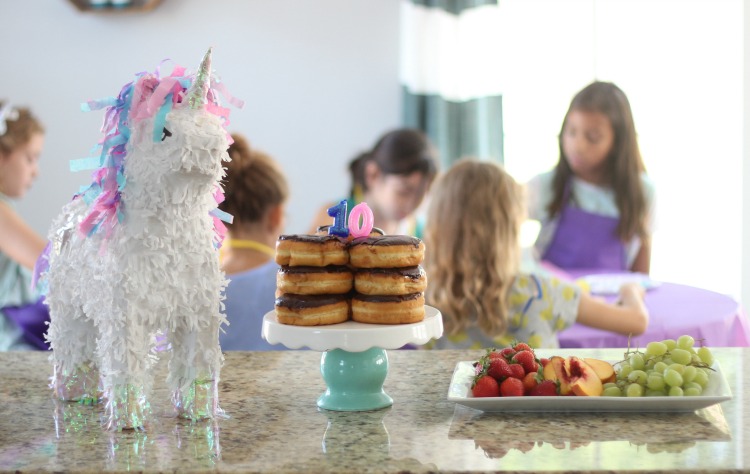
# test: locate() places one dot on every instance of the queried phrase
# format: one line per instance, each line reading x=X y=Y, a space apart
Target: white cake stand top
x=352 y=336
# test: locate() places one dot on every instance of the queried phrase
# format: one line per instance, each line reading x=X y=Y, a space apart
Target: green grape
x=679 y=368
x=688 y=375
x=670 y=343
x=675 y=392
x=672 y=378
x=609 y=385
x=612 y=392
x=668 y=360
x=706 y=356
x=655 y=393
x=634 y=390
x=636 y=361
x=625 y=369
x=685 y=342
x=660 y=367
x=637 y=376
x=701 y=378
x=656 y=349
x=681 y=356
x=655 y=381
x=692 y=388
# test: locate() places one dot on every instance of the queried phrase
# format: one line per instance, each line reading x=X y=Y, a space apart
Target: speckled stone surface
x=274 y=426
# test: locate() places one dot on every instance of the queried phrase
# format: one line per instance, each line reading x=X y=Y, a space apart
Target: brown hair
x=254 y=183
x=19 y=129
x=472 y=245
x=624 y=164
x=401 y=152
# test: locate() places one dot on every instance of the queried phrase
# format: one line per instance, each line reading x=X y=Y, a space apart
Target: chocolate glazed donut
x=312 y=250
x=387 y=251
x=312 y=310
x=390 y=281
x=330 y=280
x=394 y=309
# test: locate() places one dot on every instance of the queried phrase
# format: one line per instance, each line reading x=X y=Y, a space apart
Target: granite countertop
x=274 y=425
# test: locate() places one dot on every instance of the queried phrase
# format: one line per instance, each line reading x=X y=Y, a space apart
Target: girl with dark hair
x=596 y=208
x=393 y=179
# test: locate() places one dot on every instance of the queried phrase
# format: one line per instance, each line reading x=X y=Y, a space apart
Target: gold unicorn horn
x=197 y=95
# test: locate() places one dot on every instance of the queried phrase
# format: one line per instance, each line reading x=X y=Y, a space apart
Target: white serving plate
x=353 y=336
x=610 y=283
x=716 y=391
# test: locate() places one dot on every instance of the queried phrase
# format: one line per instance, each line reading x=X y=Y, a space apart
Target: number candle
x=338 y=212
x=361 y=210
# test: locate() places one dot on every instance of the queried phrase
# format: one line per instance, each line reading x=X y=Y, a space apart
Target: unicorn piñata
x=132 y=262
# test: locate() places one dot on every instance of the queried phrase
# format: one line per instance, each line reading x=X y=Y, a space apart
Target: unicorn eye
x=165 y=133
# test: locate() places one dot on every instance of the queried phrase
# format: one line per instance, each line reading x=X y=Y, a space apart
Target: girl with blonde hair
x=473 y=259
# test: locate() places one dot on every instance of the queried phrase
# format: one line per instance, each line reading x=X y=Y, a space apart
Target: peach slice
x=555 y=371
x=582 y=378
x=603 y=369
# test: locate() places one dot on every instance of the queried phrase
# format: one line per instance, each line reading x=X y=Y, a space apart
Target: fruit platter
x=667 y=376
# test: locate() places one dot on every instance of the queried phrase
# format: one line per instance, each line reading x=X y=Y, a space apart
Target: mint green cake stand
x=354 y=364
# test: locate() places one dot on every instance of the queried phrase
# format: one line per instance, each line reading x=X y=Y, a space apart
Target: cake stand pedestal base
x=354 y=380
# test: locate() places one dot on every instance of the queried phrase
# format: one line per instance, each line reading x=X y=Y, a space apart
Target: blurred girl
x=596 y=206
x=392 y=179
x=255 y=192
x=472 y=262
x=22 y=315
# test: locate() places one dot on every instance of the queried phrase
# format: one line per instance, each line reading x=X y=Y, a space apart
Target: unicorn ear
x=197 y=94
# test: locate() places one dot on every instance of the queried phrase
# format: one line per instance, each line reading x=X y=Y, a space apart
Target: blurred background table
x=675 y=309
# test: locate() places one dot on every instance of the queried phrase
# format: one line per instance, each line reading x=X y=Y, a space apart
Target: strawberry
x=544 y=361
x=547 y=388
x=511 y=388
x=485 y=386
x=527 y=361
x=507 y=352
x=517 y=371
x=529 y=382
x=499 y=369
x=522 y=346
x=495 y=355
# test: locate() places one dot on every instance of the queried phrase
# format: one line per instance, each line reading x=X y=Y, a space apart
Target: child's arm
x=630 y=316
x=17 y=239
x=642 y=262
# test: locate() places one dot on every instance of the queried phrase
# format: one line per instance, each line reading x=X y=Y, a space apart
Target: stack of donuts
x=325 y=279
x=389 y=284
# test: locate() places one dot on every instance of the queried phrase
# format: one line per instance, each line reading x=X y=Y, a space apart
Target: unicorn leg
x=72 y=337
x=194 y=372
x=126 y=374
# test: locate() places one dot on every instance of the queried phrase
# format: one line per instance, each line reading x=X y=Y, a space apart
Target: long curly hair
x=472 y=242
x=624 y=163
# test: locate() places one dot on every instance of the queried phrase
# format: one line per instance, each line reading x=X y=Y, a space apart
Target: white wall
x=320 y=80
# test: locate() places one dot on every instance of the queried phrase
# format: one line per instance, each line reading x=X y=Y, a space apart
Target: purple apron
x=586 y=240
x=32 y=319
